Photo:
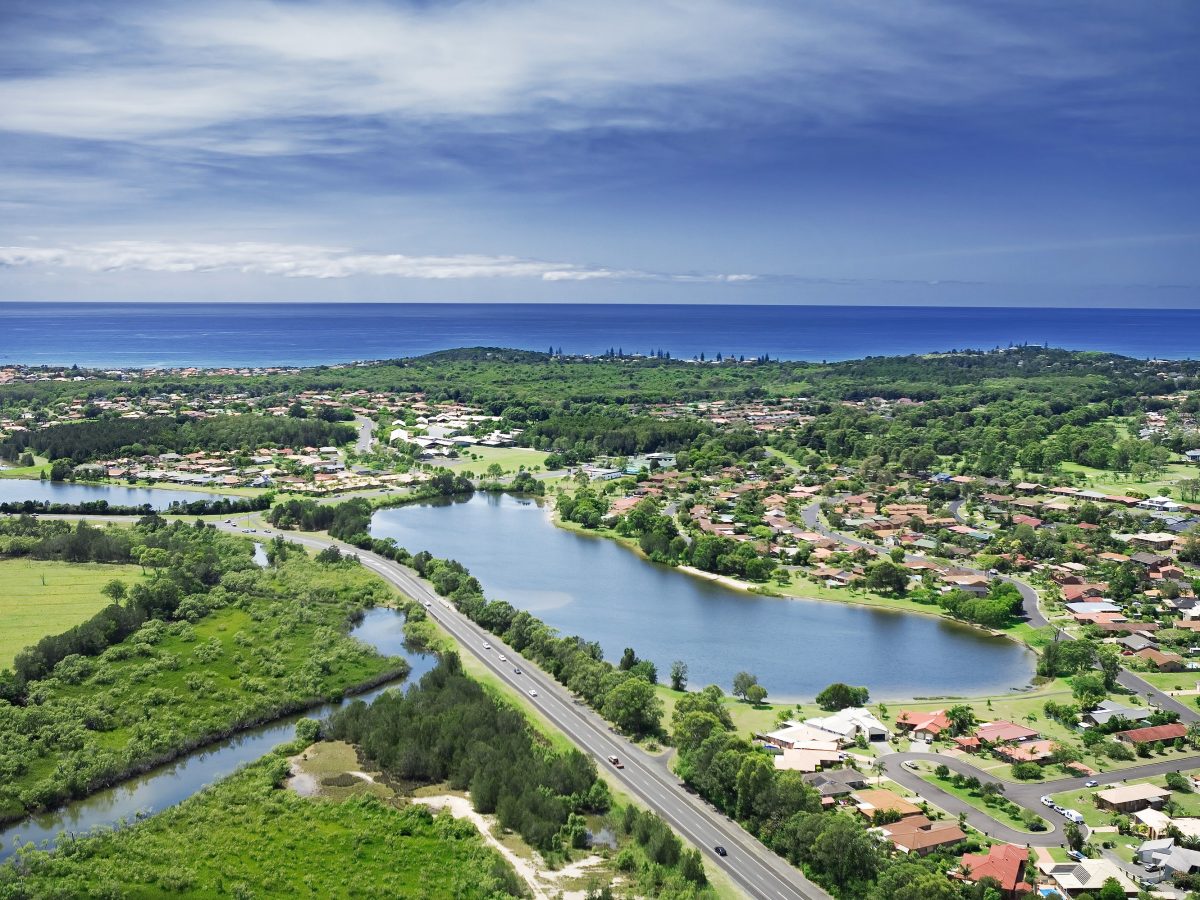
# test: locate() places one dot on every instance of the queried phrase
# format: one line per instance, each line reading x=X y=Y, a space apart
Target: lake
x=14 y=490
x=597 y=588
x=174 y=782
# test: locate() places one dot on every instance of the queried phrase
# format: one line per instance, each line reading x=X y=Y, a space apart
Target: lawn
x=999 y=811
x=510 y=459
x=45 y=597
x=747 y=719
x=1119 y=483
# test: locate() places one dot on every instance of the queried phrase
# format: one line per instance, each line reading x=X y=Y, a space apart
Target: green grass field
x=39 y=597
x=1118 y=483
x=997 y=811
x=510 y=459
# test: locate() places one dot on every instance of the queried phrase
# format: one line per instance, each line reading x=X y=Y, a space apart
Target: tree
x=1074 y=836
x=742 y=682
x=1111 y=890
x=679 y=675
x=1088 y=688
x=756 y=694
x=114 y=590
x=962 y=719
x=297 y=411
x=629 y=659
x=841 y=696
x=1108 y=658
x=634 y=707
x=845 y=852
x=885 y=577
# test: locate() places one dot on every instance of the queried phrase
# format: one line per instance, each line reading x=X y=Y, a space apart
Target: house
x=1003 y=862
x=1091 y=607
x=1159 y=661
x=1135 y=643
x=1153 y=734
x=1155 y=540
x=1153 y=822
x=1085 y=876
x=793 y=735
x=1171 y=859
x=918 y=835
x=836 y=782
x=923 y=726
x=875 y=800
x=1040 y=752
x=1150 y=560
x=849 y=723
x=810 y=758
x=1001 y=732
x=1103 y=712
x=972 y=584
x=1129 y=798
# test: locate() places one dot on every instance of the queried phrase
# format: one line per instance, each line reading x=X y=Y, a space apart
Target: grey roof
x=1108 y=710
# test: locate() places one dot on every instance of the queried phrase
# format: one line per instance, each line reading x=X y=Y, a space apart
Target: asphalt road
x=366 y=434
x=1026 y=794
x=751 y=867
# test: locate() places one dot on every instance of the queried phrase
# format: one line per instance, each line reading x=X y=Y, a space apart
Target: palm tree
x=878 y=766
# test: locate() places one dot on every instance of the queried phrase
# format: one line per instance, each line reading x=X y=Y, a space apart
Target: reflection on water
x=16 y=490
x=598 y=589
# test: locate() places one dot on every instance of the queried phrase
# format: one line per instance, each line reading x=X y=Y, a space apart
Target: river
x=603 y=591
x=174 y=782
x=15 y=490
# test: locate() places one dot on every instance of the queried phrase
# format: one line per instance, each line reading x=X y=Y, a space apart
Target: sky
x=708 y=151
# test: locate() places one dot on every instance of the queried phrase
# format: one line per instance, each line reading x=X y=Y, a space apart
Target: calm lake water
x=598 y=589
x=173 y=783
x=14 y=490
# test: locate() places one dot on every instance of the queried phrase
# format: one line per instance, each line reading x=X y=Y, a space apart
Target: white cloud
x=313 y=261
x=521 y=65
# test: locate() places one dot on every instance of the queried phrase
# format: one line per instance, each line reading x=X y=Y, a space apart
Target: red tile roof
x=1154 y=733
x=1004 y=862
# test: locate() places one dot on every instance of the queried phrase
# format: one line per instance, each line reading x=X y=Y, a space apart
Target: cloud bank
x=312 y=261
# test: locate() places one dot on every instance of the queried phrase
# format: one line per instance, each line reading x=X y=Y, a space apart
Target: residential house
x=1086 y=876
x=1159 y=661
x=836 y=782
x=875 y=800
x=849 y=723
x=1153 y=734
x=919 y=835
x=923 y=726
x=1005 y=863
x=1128 y=798
x=1103 y=712
x=1002 y=732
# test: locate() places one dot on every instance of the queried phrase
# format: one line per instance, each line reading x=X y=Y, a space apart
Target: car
x=1151 y=867
x=909 y=764
x=532 y=692
x=617 y=764
x=1091 y=783
x=1057 y=808
x=487 y=646
x=516 y=671
x=1046 y=801
x=428 y=604
x=503 y=658
x=720 y=851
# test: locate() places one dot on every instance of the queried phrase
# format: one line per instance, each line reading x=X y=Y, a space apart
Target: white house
x=848 y=723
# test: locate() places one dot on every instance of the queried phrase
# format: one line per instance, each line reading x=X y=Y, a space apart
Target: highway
x=750 y=866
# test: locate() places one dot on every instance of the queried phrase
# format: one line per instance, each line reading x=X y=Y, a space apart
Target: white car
x=532 y=692
x=487 y=646
x=503 y=658
x=1046 y=801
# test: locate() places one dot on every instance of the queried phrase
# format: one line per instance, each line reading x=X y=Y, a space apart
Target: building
x=1085 y=876
x=918 y=835
x=923 y=726
x=1004 y=862
x=1130 y=798
x=1171 y=859
x=1002 y=732
x=1153 y=734
x=1103 y=712
x=836 y=782
x=875 y=800
x=849 y=723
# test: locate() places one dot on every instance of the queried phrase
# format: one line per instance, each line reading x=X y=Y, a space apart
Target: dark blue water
x=211 y=334
x=596 y=588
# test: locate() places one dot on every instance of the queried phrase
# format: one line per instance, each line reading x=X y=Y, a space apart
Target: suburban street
x=366 y=434
x=750 y=866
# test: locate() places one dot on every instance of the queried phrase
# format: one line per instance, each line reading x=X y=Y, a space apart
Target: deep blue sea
x=211 y=334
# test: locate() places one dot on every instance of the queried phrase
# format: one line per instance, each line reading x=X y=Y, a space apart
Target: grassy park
x=509 y=459
x=42 y=597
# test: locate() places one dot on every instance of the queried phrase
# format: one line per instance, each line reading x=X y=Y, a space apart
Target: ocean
x=259 y=334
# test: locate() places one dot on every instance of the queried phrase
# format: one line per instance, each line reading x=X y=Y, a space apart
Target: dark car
x=720 y=850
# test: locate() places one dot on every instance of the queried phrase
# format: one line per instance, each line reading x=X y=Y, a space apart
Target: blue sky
x=703 y=151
